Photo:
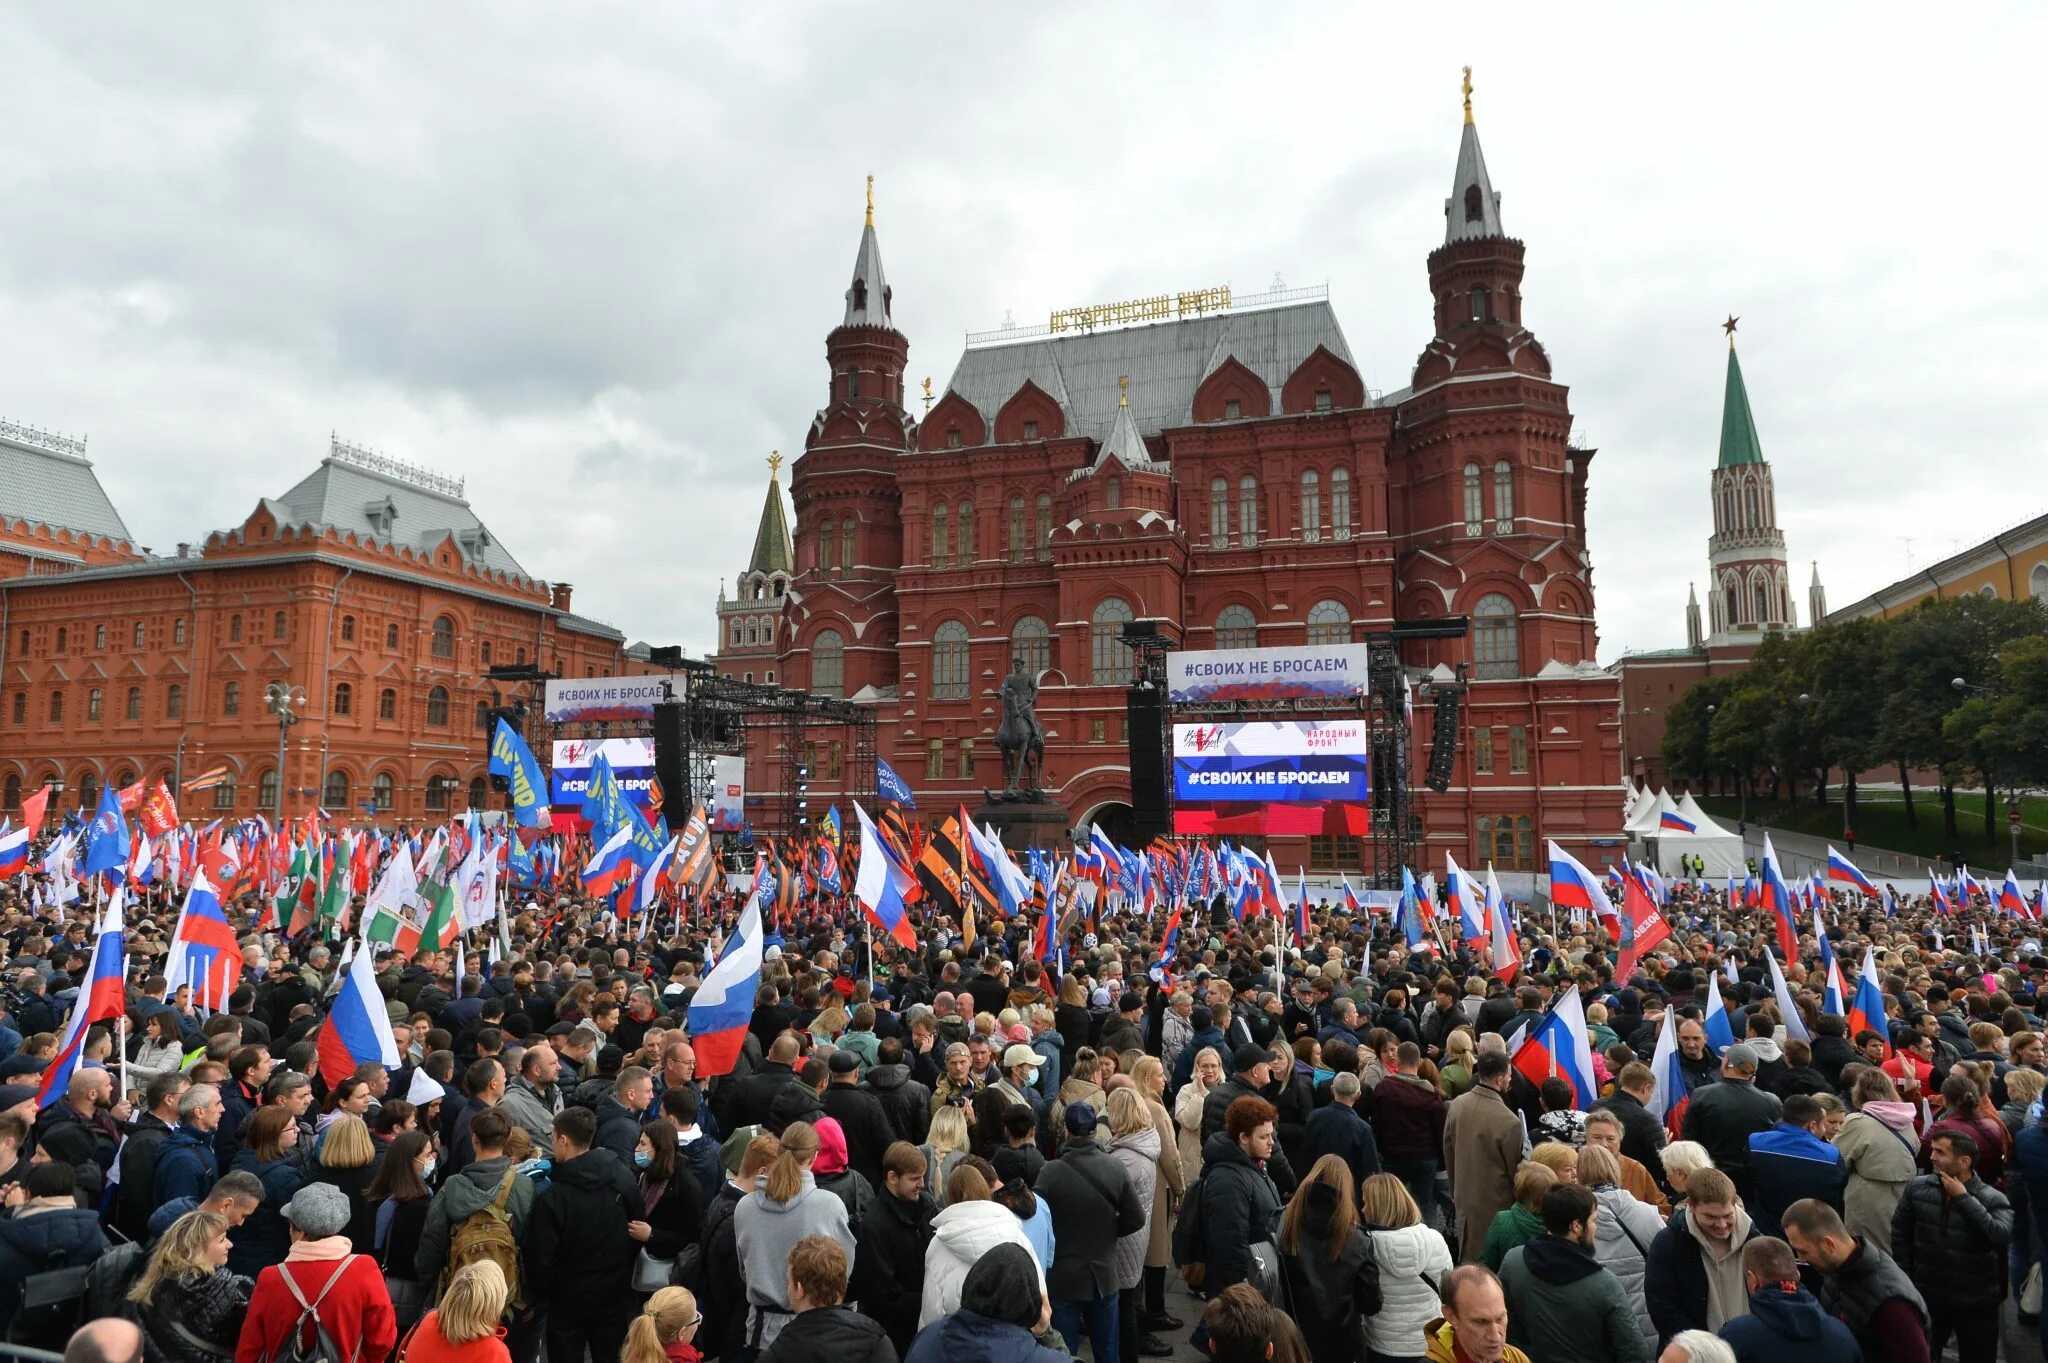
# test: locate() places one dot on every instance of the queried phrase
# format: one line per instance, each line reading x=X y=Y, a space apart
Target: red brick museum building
x=1223 y=469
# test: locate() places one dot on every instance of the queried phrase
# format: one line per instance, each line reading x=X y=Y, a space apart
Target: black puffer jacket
x=41 y=1240
x=209 y=1308
x=837 y=1333
x=1723 y=1117
x=1953 y=1248
x=1239 y=1207
x=1331 y=1295
x=905 y=1102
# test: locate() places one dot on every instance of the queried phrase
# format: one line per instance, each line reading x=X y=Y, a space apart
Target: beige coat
x=1881 y=1164
x=1166 y=1190
x=1187 y=1115
x=1483 y=1142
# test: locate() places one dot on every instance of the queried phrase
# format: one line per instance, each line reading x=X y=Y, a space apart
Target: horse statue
x=1020 y=738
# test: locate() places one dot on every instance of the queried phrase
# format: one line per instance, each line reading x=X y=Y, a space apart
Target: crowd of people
x=1277 y=1144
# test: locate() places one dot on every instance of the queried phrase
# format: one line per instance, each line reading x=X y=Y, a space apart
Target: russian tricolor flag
x=1465 y=905
x=611 y=866
x=1350 y=897
x=1507 y=952
x=1720 y=1034
x=1777 y=897
x=1672 y=1093
x=358 y=1029
x=724 y=1003
x=1942 y=903
x=1832 y=994
x=1572 y=886
x=876 y=886
x=2011 y=898
x=14 y=850
x=1559 y=1049
x=103 y=999
x=1843 y=870
x=204 y=952
x=1866 y=1006
x=1676 y=822
x=1301 y=911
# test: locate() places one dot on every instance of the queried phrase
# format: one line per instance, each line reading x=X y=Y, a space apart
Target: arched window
x=174 y=701
x=476 y=792
x=1219 y=513
x=1113 y=494
x=13 y=796
x=941 y=543
x=140 y=634
x=1478 y=302
x=88 y=789
x=846 y=559
x=391 y=636
x=1248 y=510
x=178 y=631
x=2037 y=582
x=963 y=536
x=277 y=625
x=1311 y=505
x=1987 y=591
x=437 y=707
x=444 y=637
x=1503 y=497
x=21 y=707
x=383 y=790
x=334 y=793
x=234 y=630
x=348 y=633
x=266 y=789
x=344 y=698
x=92 y=706
x=828 y=546
x=1731 y=601
x=99 y=638
x=1237 y=627
x=1496 y=645
x=387 y=703
x=440 y=790
x=1475 y=506
x=1329 y=622
x=753 y=631
x=1755 y=508
x=231 y=699
x=949 y=661
x=1017 y=545
x=134 y=710
x=1340 y=503
x=1110 y=656
x=56 y=707
x=828 y=663
x=484 y=650
x=1761 y=597
x=1031 y=640
x=1043 y=539
x=224 y=796
x=738 y=632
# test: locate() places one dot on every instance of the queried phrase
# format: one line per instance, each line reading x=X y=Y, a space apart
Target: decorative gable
x=1030 y=414
x=1322 y=382
x=952 y=424
x=1232 y=392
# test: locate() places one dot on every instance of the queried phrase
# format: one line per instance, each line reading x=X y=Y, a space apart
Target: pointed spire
x=774 y=552
x=867 y=297
x=1816 y=598
x=1695 y=636
x=1473 y=210
x=1739 y=443
x=1123 y=439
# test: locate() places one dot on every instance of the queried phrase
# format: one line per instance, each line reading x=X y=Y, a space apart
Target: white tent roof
x=1644 y=824
x=1689 y=808
x=1638 y=800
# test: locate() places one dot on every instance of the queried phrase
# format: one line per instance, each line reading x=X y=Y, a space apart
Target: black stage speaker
x=669 y=758
x=1144 y=728
x=1443 y=747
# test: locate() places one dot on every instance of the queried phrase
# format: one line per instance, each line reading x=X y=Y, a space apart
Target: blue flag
x=106 y=848
x=892 y=787
x=513 y=760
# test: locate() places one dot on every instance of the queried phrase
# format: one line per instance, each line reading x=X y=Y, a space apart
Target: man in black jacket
x=823 y=1326
x=1723 y=1116
x=888 y=1269
x=618 y=1112
x=1339 y=1130
x=136 y=1198
x=905 y=1102
x=860 y=1115
x=1092 y=1205
x=754 y=1097
x=577 y=1262
x=1950 y=1234
x=1861 y=1284
x=1252 y=1071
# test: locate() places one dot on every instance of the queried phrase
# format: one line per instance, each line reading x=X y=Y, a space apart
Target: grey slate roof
x=868 y=306
x=341 y=495
x=53 y=488
x=1458 y=226
x=1166 y=362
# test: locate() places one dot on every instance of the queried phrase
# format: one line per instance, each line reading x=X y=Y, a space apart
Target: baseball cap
x=843 y=1061
x=1080 y=1122
x=1020 y=1055
x=1742 y=1056
x=1248 y=1056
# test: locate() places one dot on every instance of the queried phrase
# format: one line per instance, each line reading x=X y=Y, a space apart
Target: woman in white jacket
x=1623 y=1231
x=1412 y=1260
x=1187 y=1110
x=969 y=1227
x=159 y=1047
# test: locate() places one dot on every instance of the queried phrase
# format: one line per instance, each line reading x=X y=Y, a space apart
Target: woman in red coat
x=464 y=1327
x=321 y=1269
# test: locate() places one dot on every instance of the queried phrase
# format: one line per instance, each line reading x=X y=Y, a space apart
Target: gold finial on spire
x=775 y=466
x=927 y=394
x=871 y=201
x=1468 y=94
x=1123 y=385
x=1729 y=327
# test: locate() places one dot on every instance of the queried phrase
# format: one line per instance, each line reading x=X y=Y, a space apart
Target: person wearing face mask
x=674 y=1198
x=399 y=1197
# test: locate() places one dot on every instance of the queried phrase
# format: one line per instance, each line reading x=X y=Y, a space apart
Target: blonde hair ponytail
x=799 y=1148
x=666 y=1315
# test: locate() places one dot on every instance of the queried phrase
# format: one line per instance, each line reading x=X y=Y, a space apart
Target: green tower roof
x=773 y=552
x=1739 y=444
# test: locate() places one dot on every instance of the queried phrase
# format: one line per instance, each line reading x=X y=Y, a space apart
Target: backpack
x=1187 y=1236
x=487 y=1234
x=323 y=1349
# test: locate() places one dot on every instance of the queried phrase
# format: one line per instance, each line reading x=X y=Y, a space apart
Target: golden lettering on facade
x=1160 y=307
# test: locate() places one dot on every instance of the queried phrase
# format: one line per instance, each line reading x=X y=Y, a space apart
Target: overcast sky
x=586 y=255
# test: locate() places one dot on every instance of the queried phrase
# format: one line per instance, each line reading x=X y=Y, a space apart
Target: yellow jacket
x=1443 y=1348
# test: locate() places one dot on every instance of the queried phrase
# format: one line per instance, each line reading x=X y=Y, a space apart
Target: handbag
x=651 y=1274
x=1264 y=1273
x=2030 y=1292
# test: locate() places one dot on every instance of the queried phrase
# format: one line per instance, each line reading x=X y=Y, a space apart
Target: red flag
x=159 y=813
x=1642 y=928
x=32 y=808
x=130 y=796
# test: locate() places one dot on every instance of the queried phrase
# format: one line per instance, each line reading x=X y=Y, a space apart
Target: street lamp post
x=281 y=699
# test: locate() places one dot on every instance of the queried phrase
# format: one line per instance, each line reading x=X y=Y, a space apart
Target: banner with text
x=631 y=759
x=1320 y=670
x=1293 y=761
x=728 y=794
x=592 y=700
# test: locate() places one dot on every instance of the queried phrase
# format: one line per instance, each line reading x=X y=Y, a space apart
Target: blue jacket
x=2030 y=1161
x=1787 y=1163
x=1782 y=1325
x=1341 y=1131
x=61 y=1238
x=966 y=1337
x=185 y=1166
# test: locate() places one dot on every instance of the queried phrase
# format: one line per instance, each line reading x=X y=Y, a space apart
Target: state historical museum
x=1223 y=470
